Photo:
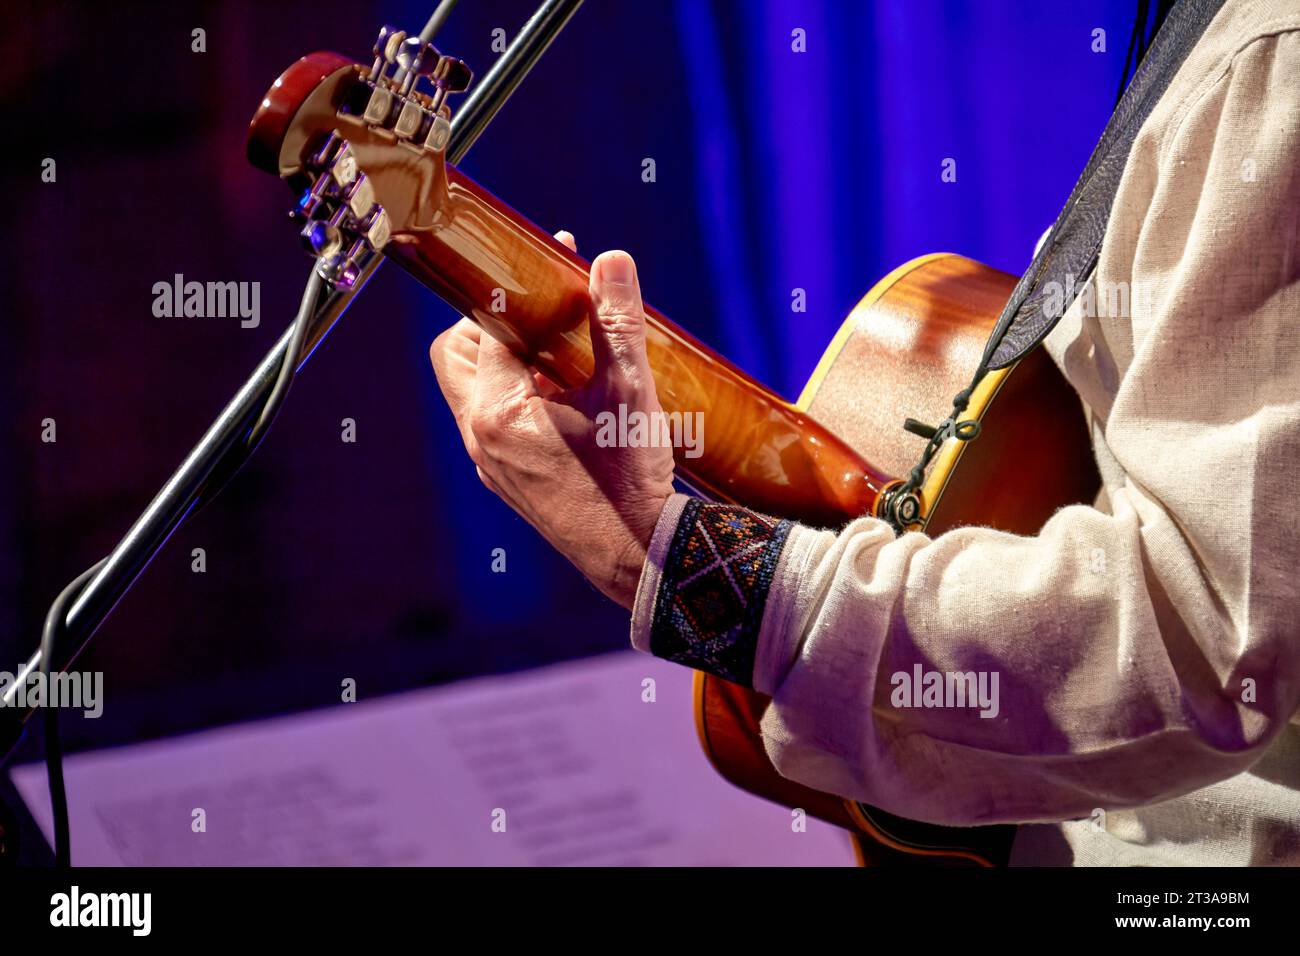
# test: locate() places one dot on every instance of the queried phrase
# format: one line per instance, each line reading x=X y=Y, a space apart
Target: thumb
x=618 y=321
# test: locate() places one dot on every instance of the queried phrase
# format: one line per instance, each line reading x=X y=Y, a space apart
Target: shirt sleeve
x=1118 y=658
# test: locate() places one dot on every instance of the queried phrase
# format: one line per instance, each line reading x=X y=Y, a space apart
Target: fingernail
x=617 y=268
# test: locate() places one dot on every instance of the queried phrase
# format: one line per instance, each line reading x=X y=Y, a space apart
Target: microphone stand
x=223 y=448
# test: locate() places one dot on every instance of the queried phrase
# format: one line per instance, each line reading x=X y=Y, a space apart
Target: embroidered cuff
x=704 y=587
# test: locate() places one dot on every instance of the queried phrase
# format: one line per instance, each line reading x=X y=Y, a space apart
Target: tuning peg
x=394 y=45
x=411 y=55
x=448 y=75
x=380 y=49
x=453 y=75
x=416 y=59
x=381 y=43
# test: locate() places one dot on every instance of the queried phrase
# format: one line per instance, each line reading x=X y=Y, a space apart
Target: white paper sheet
x=563 y=765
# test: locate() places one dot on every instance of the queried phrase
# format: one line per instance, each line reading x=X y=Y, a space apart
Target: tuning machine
x=397 y=101
x=342 y=224
x=386 y=48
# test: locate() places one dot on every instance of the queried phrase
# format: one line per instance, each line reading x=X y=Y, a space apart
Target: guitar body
x=914 y=340
x=365 y=156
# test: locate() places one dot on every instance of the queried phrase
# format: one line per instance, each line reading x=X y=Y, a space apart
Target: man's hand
x=535 y=446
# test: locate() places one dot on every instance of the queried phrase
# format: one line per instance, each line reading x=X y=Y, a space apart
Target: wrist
x=630 y=561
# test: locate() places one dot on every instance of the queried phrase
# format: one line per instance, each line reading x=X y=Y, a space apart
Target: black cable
x=54 y=621
x=57 y=614
x=292 y=356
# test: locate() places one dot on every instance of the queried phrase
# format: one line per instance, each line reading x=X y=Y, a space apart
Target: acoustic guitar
x=365 y=154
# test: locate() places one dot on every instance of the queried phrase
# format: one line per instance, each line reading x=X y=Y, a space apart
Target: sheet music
x=567 y=765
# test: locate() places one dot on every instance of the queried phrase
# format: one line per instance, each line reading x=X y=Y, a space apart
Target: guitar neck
x=528 y=290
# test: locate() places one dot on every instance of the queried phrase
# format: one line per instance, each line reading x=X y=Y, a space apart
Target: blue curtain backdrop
x=822 y=170
x=780 y=170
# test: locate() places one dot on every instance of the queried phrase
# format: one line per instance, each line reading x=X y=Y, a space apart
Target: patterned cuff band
x=713 y=587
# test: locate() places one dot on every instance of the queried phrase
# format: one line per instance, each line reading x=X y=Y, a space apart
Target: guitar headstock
x=362 y=148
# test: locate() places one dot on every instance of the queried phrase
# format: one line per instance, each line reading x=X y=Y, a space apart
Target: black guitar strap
x=1068 y=256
